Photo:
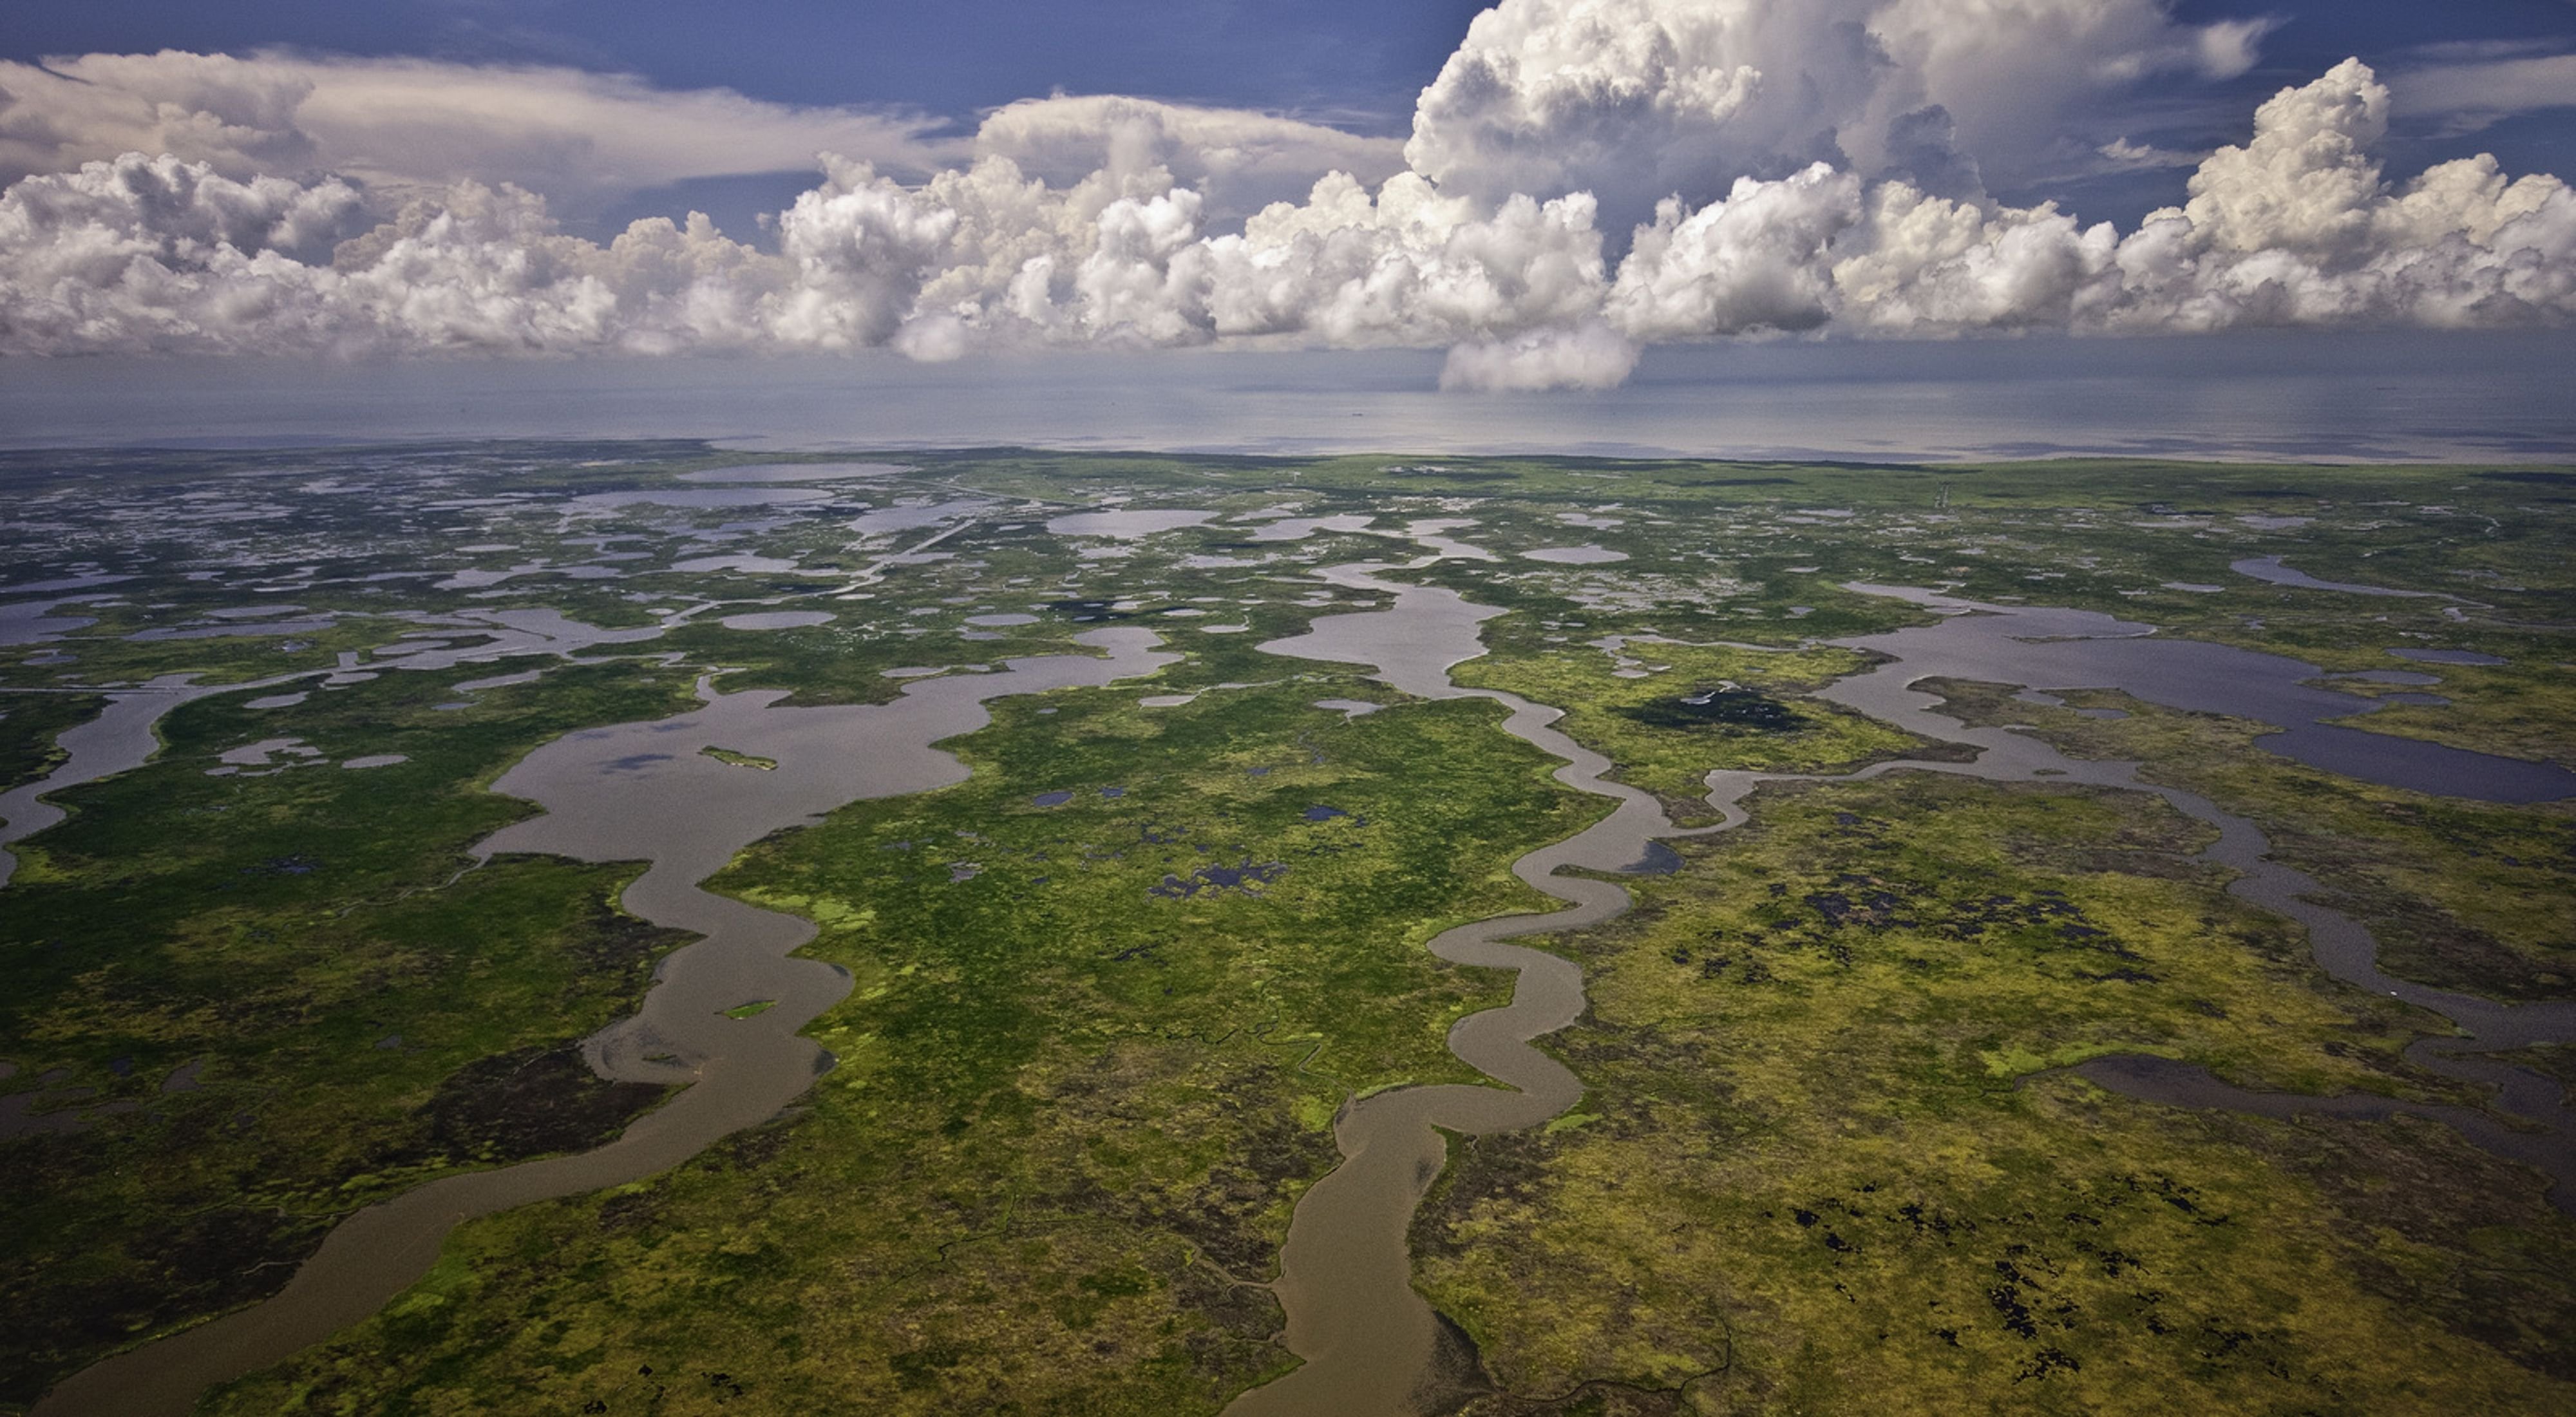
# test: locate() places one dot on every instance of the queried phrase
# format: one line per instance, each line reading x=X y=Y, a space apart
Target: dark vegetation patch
x=2435 y=1225
x=956 y=1226
x=1729 y=708
x=204 y=1262
x=2460 y=894
x=2537 y=476
x=529 y=1103
x=1796 y=1137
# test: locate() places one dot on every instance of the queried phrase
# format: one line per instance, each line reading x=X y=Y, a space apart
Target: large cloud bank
x=1584 y=177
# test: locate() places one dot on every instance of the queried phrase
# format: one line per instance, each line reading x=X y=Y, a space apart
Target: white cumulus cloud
x=1238 y=161
x=1588 y=356
x=1122 y=222
x=1637 y=100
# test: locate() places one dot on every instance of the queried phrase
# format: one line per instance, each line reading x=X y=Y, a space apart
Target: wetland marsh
x=2006 y=842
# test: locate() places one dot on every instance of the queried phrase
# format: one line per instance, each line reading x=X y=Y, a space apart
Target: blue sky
x=1358 y=61
x=1355 y=64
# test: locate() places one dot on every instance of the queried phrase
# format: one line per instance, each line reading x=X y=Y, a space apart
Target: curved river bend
x=1345 y=1275
x=119 y=739
x=637 y=791
x=647 y=791
x=1369 y=1341
x=2065 y=649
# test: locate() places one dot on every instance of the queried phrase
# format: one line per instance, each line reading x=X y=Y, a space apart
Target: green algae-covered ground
x=1826 y=1154
x=1827 y=1162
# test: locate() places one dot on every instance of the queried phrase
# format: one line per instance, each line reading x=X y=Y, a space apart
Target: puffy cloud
x=1751 y=262
x=1637 y=100
x=1238 y=162
x=1405 y=266
x=160 y=255
x=2306 y=181
x=2296 y=226
x=1108 y=237
x=583 y=139
x=2299 y=225
x=861 y=246
x=1410 y=267
x=1921 y=264
x=1588 y=356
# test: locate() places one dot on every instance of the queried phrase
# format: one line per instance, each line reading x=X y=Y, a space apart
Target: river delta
x=640 y=927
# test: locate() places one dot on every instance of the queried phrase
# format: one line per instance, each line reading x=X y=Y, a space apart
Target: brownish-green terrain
x=2141 y=976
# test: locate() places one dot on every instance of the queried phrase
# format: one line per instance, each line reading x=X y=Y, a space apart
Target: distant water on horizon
x=2305 y=396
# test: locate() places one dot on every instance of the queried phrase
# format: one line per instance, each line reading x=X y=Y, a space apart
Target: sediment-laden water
x=649 y=792
x=638 y=792
x=1345 y=1276
x=1370 y=1343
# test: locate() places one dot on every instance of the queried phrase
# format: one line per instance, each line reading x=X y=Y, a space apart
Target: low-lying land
x=1109 y=991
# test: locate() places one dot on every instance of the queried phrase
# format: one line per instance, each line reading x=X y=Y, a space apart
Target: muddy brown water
x=637 y=792
x=1370 y=1343
x=1345 y=1274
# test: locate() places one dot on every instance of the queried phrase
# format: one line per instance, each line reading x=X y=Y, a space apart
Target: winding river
x=1345 y=1275
x=1370 y=1342
x=2051 y=649
x=119 y=739
x=651 y=792
x=638 y=792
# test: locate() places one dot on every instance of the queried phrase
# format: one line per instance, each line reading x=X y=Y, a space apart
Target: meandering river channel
x=1369 y=1341
x=638 y=792
x=652 y=792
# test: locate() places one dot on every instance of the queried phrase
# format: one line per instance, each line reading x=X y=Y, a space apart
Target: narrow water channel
x=1975 y=643
x=638 y=792
x=649 y=792
x=1369 y=1342
x=120 y=739
x=1345 y=1275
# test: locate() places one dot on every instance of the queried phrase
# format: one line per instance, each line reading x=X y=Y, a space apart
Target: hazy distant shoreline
x=2388 y=396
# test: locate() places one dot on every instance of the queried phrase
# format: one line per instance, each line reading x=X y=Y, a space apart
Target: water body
x=1963 y=647
x=1299 y=528
x=2265 y=395
x=29 y=622
x=1126 y=524
x=746 y=565
x=914 y=518
x=1369 y=1342
x=638 y=792
x=703 y=497
x=777 y=620
x=2269 y=568
x=119 y=739
x=795 y=472
x=1345 y=1277
x=2054 y=650
x=1585 y=555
